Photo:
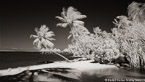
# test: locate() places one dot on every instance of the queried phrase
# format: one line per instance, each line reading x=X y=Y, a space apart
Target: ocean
x=20 y=59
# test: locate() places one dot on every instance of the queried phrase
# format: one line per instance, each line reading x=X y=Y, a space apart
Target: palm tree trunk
x=62 y=56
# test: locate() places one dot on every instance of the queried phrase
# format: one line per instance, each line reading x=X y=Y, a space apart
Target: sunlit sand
x=80 y=66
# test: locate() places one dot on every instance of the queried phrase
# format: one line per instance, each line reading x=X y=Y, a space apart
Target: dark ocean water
x=20 y=59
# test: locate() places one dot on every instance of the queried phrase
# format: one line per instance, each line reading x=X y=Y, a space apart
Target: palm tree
x=70 y=17
x=43 y=38
x=136 y=12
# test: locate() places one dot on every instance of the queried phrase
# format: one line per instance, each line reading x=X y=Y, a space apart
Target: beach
x=61 y=71
x=80 y=66
x=52 y=68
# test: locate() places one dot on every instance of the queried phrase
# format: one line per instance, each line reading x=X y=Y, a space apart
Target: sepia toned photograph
x=72 y=41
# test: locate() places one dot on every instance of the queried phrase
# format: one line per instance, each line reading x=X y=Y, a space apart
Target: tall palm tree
x=136 y=12
x=70 y=17
x=43 y=38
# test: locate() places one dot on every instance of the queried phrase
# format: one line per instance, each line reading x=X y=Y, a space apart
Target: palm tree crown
x=70 y=17
x=43 y=38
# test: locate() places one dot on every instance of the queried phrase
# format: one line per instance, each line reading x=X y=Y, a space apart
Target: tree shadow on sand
x=43 y=75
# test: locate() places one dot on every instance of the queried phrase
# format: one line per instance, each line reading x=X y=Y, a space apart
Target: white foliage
x=43 y=37
x=64 y=25
x=136 y=12
x=70 y=17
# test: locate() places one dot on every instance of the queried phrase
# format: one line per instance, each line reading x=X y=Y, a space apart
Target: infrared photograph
x=72 y=41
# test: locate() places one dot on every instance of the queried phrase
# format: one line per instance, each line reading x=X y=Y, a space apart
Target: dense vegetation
x=127 y=38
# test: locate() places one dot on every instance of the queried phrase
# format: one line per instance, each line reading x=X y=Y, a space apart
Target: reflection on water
x=72 y=75
x=113 y=75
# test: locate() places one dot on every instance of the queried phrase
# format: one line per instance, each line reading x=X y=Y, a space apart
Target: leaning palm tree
x=43 y=39
x=70 y=17
x=136 y=12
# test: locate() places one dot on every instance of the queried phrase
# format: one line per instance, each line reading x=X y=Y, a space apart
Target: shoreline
x=79 y=65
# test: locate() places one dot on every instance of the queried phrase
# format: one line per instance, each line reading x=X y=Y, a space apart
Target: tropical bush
x=103 y=46
x=84 y=43
x=127 y=39
x=129 y=34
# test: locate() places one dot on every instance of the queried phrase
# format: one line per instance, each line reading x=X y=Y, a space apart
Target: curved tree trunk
x=62 y=56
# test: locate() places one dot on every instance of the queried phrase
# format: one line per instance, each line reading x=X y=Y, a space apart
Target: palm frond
x=33 y=36
x=70 y=11
x=36 y=41
x=123 y=21
x=133 y=10
x=78 y=22
x=43 y=29
x=69 y=36
x=122 y=17
x=64 y=25
x=115 y=22
x=61 y=19
x=63 y=13
x=79 y=16
x=50 y=39
x=36 y=29
x=49 y=34
x=73 y=14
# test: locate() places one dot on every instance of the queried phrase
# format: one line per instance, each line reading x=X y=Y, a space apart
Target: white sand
x=80 y=66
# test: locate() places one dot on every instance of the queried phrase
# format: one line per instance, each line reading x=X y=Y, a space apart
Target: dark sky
x=18 y=19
